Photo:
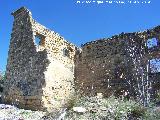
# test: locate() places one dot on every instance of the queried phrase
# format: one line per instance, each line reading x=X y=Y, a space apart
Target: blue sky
x=79 y=23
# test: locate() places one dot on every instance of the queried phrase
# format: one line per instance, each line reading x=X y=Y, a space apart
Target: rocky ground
x=87 y=108
x=8 y=112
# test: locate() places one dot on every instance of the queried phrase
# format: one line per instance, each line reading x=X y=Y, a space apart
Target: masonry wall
x=39 y=75
x=59 y=74
x=109 y=66
x=45 y=75
x=102 y=65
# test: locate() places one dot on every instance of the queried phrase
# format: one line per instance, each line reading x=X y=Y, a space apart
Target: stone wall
x=44 y=70
x=39 y=75
x=110 y=66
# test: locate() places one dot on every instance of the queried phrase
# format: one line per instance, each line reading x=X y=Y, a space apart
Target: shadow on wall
x=40 y=66
x=25 y=66
x=121 y=65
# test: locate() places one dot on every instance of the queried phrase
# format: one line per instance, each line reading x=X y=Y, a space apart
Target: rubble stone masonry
x=112 y=66
x=45 y=75
x=39 y=75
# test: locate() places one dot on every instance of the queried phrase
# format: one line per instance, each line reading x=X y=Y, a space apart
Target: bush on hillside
x=111 y=109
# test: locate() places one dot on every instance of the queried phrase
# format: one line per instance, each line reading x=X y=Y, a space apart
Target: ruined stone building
x=38 y=75
x=46 y=75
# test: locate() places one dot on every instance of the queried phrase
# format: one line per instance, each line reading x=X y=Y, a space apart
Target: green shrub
x=111 y=109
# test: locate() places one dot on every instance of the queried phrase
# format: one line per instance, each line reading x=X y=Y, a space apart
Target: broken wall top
x=145 y=35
